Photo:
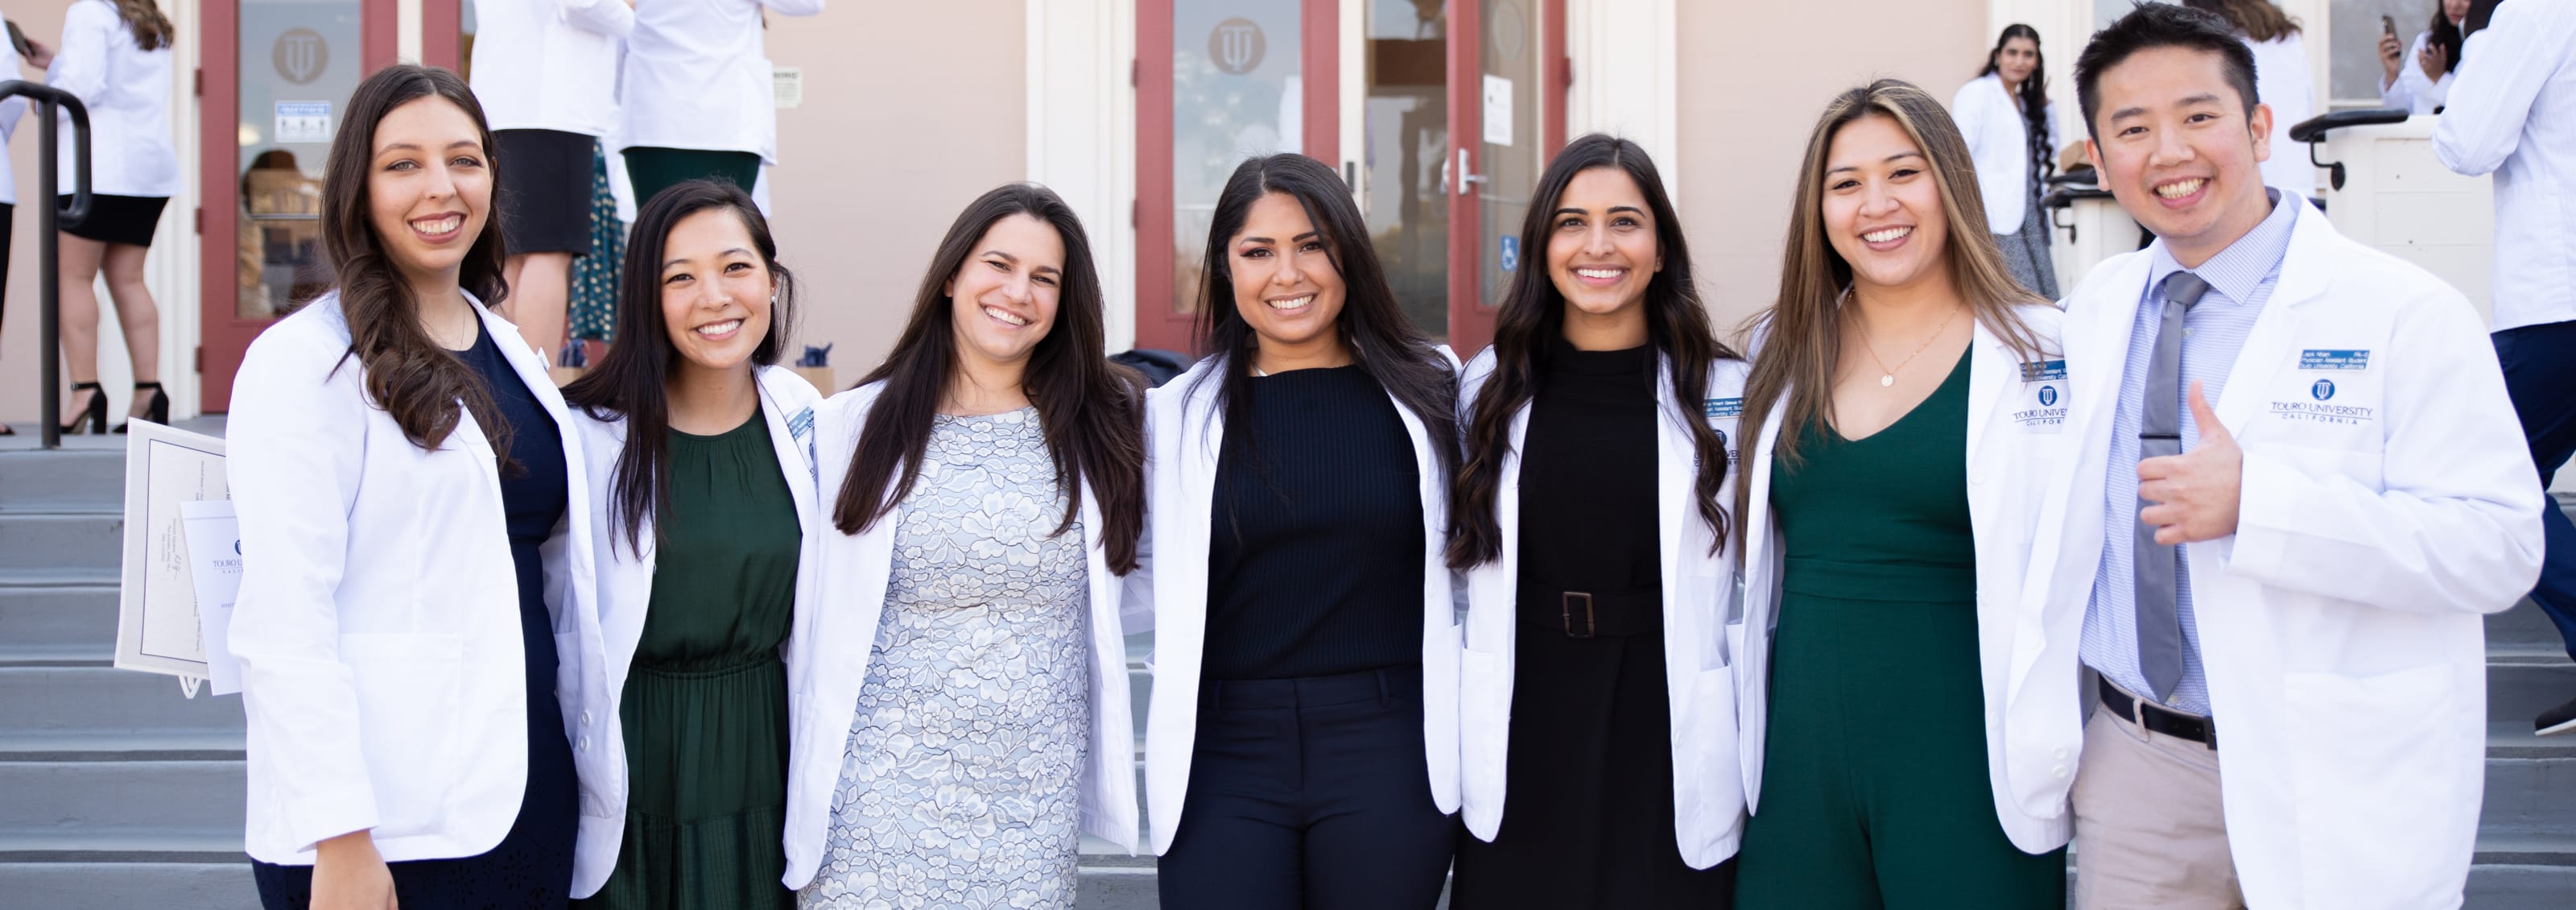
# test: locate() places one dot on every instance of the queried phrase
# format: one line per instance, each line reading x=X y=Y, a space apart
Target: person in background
x=417 y=526
x=2512 y=113
x=2297 y=491
x=698 y=100
x=965 y=709
x=10 y=110
x=2419 y=79
x=2283 y=82
x=702 y=497
x=547 y=73
x=2011 y=127
x=115 y=58
x=1302 y=749
x=1592 y=526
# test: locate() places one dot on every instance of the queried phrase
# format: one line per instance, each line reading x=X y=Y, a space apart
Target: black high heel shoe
x=93 y=418
x=159 y=411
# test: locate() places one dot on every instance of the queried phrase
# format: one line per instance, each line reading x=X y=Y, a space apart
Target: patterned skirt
x=593 y=314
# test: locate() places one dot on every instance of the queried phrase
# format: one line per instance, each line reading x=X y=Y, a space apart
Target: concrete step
x=2522 y=682
x=35 y=481
x=62 y=539
x=57 y=701
x=130 y=798
x=57 y=614
x=2524 y=627
x=2530 y=784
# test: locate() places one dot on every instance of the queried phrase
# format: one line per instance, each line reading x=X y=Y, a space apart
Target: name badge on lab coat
x=2331 y=387
x=1722 y=414
x=2042 y=405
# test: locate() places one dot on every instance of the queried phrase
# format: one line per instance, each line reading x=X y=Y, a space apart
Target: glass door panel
x=1406 y=136
x=1510 y=156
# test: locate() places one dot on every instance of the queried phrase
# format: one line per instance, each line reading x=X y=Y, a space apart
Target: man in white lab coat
x=2297 y=490
x=2513 y=112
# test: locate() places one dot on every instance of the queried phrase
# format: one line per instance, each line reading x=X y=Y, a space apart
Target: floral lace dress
x=960 y=786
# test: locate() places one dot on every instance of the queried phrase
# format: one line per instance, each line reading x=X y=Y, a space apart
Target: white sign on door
x=1498 y=109
x=303 y=121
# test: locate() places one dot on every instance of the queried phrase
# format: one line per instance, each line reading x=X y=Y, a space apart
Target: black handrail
x=2314 y=129
x=49 y=220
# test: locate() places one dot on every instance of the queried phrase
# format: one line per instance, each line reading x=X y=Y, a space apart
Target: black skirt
x=544 y=191
x=129 y=220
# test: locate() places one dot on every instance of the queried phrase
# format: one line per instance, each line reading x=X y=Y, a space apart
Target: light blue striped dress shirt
x=2240 y=278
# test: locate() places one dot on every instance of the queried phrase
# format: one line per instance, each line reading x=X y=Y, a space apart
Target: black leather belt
x=2157 y=718
x=1585 y=614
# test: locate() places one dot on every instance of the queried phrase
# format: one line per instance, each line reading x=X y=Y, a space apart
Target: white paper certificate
x=215 y=563
x=157 y=630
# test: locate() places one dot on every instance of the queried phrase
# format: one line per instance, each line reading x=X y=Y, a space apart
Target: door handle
x=1466 y=176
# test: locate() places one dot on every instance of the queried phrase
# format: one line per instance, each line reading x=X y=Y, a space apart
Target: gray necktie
x=2160 y=434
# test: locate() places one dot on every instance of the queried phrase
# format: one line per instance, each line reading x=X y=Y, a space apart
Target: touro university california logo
x=2323 y=389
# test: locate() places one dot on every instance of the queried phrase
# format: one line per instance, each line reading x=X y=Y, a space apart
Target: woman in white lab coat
x=115 y=57
x=547 y=73
x=2282 y=80
x=2011 y=127
x=1907 y=403
x=1593 y=527
x=1302 y=748
x=961 y=692
x=416 y=584
x=702 y=499
x=2418 y=81
x=10 y=111
x=696 y=96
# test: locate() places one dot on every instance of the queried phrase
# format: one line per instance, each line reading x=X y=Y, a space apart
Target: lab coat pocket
x=1706 y=599
x=408 y=686
x=2379 y=774
x=1484 y=736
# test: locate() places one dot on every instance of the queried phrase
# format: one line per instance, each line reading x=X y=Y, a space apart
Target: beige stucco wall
x=19 y=370
x=1752 y=79
x=911 y=111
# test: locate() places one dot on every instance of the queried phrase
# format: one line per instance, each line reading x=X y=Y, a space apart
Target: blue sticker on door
x=1511 y=255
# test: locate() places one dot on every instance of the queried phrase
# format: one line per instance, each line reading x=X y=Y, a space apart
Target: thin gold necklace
x=1887 y=375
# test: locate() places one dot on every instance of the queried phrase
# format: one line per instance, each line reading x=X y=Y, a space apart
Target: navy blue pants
x=1309 y=793
x=2540 y=373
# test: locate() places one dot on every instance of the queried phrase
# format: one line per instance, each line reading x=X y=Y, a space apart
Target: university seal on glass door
x=1237 y=45
x=300 y=55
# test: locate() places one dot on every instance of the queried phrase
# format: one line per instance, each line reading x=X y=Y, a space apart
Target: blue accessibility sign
x=1511 y=258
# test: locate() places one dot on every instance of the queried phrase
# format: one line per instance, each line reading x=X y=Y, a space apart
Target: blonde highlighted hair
x=1793 y=371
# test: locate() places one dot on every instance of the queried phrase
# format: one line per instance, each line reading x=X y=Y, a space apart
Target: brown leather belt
x=1586 y=614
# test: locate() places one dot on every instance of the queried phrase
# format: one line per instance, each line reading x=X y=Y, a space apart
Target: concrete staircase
x=116 y=792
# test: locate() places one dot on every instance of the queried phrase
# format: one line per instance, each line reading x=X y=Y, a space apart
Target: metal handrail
x=50 y=220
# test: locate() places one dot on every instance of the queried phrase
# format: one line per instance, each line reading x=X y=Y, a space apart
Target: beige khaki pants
x=2148 y=829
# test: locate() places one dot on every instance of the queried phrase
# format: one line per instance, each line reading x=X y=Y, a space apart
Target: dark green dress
x=705 y=705
x=1874 y=786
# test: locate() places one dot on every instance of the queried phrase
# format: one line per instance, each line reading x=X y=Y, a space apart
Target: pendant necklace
x=1886 y=374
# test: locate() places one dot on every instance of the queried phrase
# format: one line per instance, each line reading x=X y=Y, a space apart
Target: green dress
x=705 y=705
x=1874 y=786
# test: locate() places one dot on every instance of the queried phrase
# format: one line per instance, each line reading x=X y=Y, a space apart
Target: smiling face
x=2175 y=145
x=2455 y=10
x=1285 y=285
x=1004 y=298
x=715 y=291
x=1882 y=206
x=429 y=188
x=2016 y=60
x=1601 y=247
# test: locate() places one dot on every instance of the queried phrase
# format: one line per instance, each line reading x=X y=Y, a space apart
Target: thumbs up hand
x=2194 y=493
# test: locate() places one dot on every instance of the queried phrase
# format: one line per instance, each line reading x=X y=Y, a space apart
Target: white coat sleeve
x=295 y=446
x=1968 y=112
x=607 y=17
x=80 y=65
x=1136 y=589
x=16 y=106
x=794 y=7
x=2455 y=523
x=2492 y=91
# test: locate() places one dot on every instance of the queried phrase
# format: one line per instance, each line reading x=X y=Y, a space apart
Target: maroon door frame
x=223 y=336
x=1158 y=323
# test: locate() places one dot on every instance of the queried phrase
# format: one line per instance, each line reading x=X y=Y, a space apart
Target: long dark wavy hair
x=409 y=375
x=629 y=380
x=1383 y=343
x=2033 y=96
x=1092 y=410
x=1533 y=313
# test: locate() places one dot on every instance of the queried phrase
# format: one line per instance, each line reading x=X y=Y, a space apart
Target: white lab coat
x=378 y=620
x=833 y=651
x=626 y=589
x=1999 y=142
x=2386 y=507
x=1184 y=430
x=1699 y=593
x=127 y=92
x=2513 y=113
x=10 y=111
x=2283 y=80
x=698 y=76
x=2412 y=92
x=2025 y=643
x=549 y=64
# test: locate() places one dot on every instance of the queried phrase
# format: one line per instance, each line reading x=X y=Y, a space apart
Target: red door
x=1508 y=76
x=277 y=75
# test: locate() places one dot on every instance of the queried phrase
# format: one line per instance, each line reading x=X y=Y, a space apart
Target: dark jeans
x=1309 y=793
x=2540 y=373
